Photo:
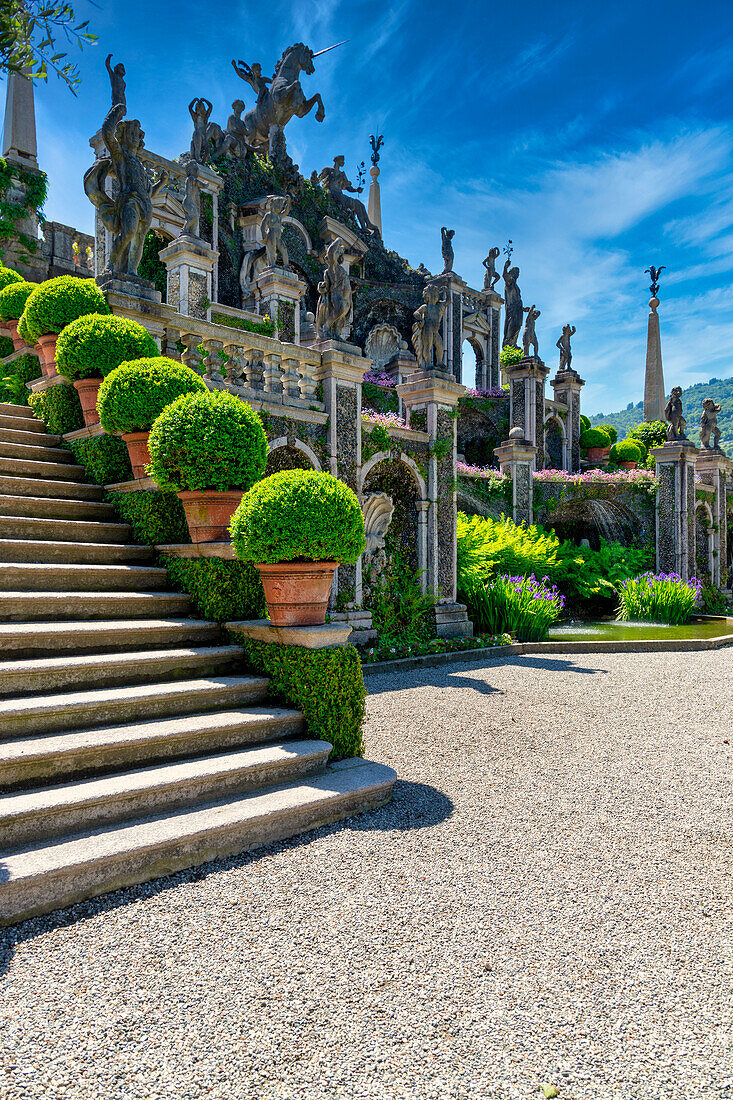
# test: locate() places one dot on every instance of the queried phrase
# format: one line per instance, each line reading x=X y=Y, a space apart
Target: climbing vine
x=34 y=188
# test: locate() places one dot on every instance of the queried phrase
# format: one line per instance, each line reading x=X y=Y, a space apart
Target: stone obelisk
x=19 y=134
x=654 y=398
x=375 y=200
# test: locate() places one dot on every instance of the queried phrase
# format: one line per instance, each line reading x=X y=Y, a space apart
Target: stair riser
x=43 y=893
x=70 y=531
x=29 y=467
x=30 y=608
x=39 y=825
x=22 y=411
x=47 y=508
x=132 y=639
x=33 y=451
x=98 y=760
x=22 y=424
x=26 y=549
x=52 y=490
x=30 y=438
x=41 y=578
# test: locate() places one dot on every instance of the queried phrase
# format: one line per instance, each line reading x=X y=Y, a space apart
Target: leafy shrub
x=208 y=441
x=299 y=515
x=220 y=590
x=584 y=423
x=55 y=303
x=93 y=345
x=522 y=604
x=712 y=600
x=594 y=437
x=609 y=430
x=659 y=598
x=628 y=450
x=7 y=347
x=13 y=298
x=134 y=394
x=8 y=276
x=23 y=332
x=327 y=685
x=26 y=368
x=509 y=355
x=59 y=409
x=157 y=519
x=401 y=613
x=104 y=457
x=652 y=433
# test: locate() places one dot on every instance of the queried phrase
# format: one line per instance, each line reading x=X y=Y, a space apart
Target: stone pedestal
x=527 y=402
x=567 y=385
x=327 y=636
x=654 y=398
x=452 y=621
x=279 y=292
x=676 y=464
x=455 y=288
x=492 y=367
x=714 y=468
x=190 y=265
x=516 y=458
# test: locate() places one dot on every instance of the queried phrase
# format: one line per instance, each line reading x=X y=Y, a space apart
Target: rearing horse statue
x=284 y=97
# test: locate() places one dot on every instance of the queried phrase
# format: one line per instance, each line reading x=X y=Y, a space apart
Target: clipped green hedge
x=157 y=519
x=299 y=515
x=93 y=345
x=8 y=276
x=628 y=450
x=26 y=368
x=7 y=347
x=208 y=441
x=609 y=430
x=594 y=437
x=134 y=394
x=584 y=423
x=13 y=298
x=327 y=685
x=220 y=590
x=59 y=409
x=104 y=457
x=57 y=302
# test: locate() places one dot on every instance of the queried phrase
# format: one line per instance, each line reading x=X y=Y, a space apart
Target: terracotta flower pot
x=209 y=512
x=88 y=388
x=597 y=454
x=18 y=341
x=297 y=592
x=47 y=353
x=628 y=465
x=137 y=448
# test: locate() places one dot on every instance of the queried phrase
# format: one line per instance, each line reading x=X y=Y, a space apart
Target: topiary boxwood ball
x=57 y=302
x=13 y=298
x=93 y=345
x=8 y=276
x=594 y=437
x=298 y=515
x=610 y=431
x=584 y=422
x=208 y=441
x=628 y=450
x=134 y=394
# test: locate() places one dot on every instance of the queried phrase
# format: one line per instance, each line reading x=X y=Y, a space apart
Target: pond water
x=607 y=630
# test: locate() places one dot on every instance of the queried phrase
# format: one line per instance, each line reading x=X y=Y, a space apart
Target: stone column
x=676 y=464
x=714 y=468
x=494 y=303
x=279 y=292
x=190 y=264
x=654 y=376
x=375 y=201
x=567 y=385
x=516 y=457
x=527 y=402
x=453 y=324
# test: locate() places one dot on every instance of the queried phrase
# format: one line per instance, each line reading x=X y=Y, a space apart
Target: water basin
x=607 y=630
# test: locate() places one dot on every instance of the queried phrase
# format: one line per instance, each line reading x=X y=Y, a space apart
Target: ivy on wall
x=14 y=210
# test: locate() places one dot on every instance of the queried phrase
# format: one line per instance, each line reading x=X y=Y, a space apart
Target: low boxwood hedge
x=104 y=457
x=8 y=276
x=220 y=590
x=13 y=300
x=134 y=394
x=7 y=347
x=57 y=302
x=157 y=519
x=299 y=515
x=26 y=368
x=93 y=345
x=59 y=409
x=594 y=437
x=208 y=441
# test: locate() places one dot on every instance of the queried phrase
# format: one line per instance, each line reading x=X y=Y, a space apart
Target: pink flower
x=387 y=420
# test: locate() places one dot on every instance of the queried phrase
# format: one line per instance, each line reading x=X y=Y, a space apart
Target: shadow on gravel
x=459 y=674
x=414 y=806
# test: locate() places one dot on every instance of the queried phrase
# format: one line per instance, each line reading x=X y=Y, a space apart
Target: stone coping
x=223 y=550
x=137 y=485
x=326 y=636
x=407 y=433
x=87 y=432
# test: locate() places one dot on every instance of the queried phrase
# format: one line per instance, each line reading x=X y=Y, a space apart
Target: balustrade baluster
x=307 y=384
x=273 y=383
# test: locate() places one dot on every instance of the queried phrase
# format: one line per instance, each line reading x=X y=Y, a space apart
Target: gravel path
x=547 y=900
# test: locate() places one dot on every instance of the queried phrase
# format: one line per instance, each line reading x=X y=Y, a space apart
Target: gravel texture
x=547 y=901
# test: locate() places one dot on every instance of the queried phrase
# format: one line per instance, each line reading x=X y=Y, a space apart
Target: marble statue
x=252 y=74
x=200 y=111
x=654 y=273
x=335 y=305
x=491 y=278
x=566 y=353
x=709 y=425
x=117 y=81
x=427 y=339
x=513 y=309
x=191 y=200
x=272 y=225
x=378 y=509
x=127 y=213
x=673 y=413
x=231 y=142
x=529 y=337
x=446 y=248
x=376 y=144
x=336 y=182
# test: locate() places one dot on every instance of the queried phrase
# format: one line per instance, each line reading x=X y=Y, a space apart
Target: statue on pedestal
x=272 y=225
x=231 y=142
x=117 y=81
x=673 y=413
x=529 y=338
x=566 y=354
x=200 y=111
x=446 y=248
x=337 y=182
x=191 y=200
x=654 y=273
x=709 y=425
x=491 y=278
x=427 y=339
x=513 y=308
x=335 y=304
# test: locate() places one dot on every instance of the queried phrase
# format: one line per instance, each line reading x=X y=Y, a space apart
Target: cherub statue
x=529 y=338
x=200 y=111
x=709 y=425
x=336 y=182
x=673 y=413
x=426 y=336
x=513 y=308
x=491 y=278
x=128 y=213
x=252 y=74
x=272 y=225
x=117 y=81
x=335 y=305
x=231 y=142
x=191 y=204
x=446 y=248
x=566 y=354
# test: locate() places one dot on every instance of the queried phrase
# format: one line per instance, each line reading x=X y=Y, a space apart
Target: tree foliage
x=28 y=39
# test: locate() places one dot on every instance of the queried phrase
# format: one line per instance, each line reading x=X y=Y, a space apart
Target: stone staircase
x=132 y=744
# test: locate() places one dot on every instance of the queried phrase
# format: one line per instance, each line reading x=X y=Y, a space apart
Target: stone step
x=24 y=607
x=105 y=706
x=30 y=435
x=30 y=467
x=74 y=672
x=52 y=488
x=88 y=804
x=71 y=531
x=52 y=508
x=48 y=876
x=26 y=640
x=62 y=577
x=12 y=422
x=23 y=411
x=58 y=756
x=72 y=553
x=35 y=451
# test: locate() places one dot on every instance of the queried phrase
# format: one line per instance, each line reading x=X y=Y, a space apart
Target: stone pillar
x=516 y=457
x=676 y=464
x=654 y=398
x=279 y=292
x=494 y=302
x=19 y=133
x=714 y=468
x=375 y=201
x=527 y=402
x=190 y=264
x=453 y=324
x=567 y=385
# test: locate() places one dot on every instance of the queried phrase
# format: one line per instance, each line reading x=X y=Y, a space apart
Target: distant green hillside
x=721 y=391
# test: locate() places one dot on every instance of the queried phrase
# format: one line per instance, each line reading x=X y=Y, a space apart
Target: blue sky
x=599 y=139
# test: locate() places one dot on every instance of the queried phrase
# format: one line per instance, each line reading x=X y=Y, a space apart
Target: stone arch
x=555 y=442
x=472 y=369
x=398 y=475
x=296 y=454
x=704 y=541
x=383 y=456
